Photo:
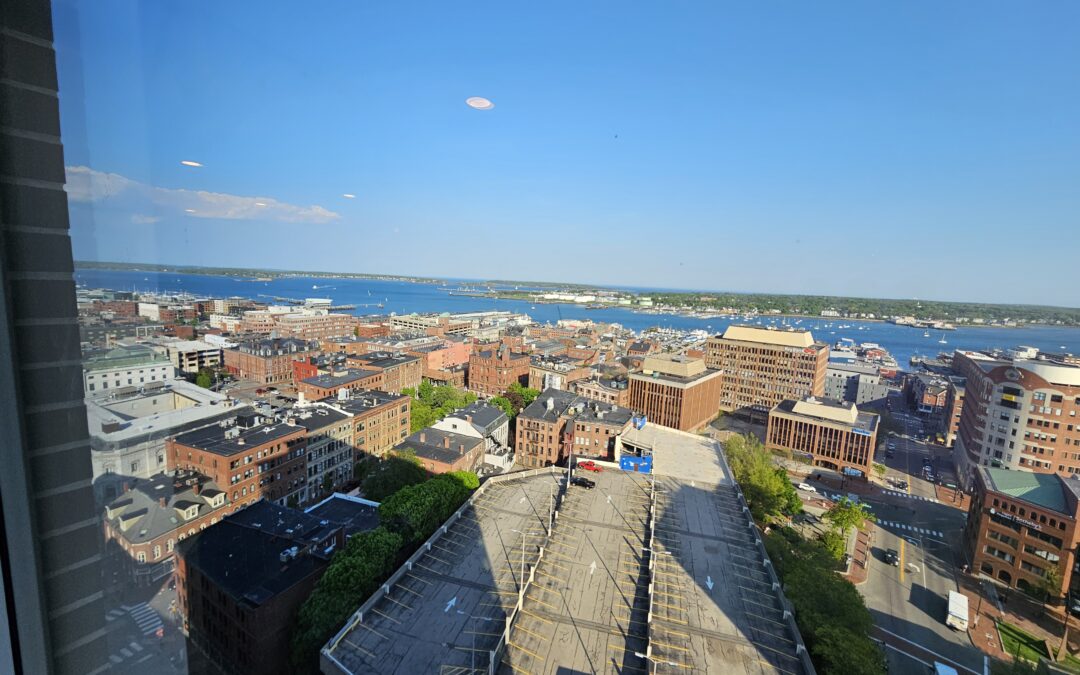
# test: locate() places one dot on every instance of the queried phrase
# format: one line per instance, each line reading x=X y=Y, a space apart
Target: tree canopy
x=768 y=491
x=432 y=403
x=829 y=611
x=397 y=471
x=846 y=514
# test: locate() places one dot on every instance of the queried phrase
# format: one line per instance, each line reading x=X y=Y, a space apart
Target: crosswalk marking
x=894 y=493
x=145 y=617
x=911 y=528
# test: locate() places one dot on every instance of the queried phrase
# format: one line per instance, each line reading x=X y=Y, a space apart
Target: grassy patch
x=1020 y=644
x=1070 y=663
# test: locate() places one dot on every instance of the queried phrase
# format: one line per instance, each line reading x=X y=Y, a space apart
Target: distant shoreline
x=757 y=304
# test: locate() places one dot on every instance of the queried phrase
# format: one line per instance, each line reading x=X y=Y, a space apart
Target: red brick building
x=328 y=385
x=676 y=391
x=444 y=451
x=830 y=434
x=492 y=371
x=380 y=421
x=268 y=361
x=399 y=371
x=249 y=459
x=559 y=422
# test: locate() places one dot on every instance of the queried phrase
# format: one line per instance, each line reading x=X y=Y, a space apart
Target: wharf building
x=676 y=391
x=1018 y=413
x=1020 y=526
x=763 y=367
x=831 y=434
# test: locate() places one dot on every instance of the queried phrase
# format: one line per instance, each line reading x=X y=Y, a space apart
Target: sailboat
x=943 y=340
x=926 y=333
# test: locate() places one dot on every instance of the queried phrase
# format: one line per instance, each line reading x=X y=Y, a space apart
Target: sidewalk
x=947 y=496
x=1020 y=611
x=859 y=569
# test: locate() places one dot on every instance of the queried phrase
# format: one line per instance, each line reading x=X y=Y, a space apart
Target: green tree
x=416 y=511
x=293 y=502
x=834 y=543
x=846 y=514
x=205 y=378
x=504 y=404
x=397 y=471
x=527 y=394
x=327 y=484
x=766 y=487
x=353 y=574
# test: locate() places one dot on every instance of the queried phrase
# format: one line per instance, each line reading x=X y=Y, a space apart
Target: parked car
x=892 y=557
x=891 y=446
x=807 y=487
x=582 y=482
x=589 y=466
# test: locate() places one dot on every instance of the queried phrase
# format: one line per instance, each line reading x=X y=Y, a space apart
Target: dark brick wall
x=52 y=543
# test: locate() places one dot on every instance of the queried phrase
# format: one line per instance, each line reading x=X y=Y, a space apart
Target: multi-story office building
x=954 y=408
x=315 y=326
x=763 y=367
x=189 y=356
x=676 y=391
x=831 y=434
x=855 y=383
x=491 y=371
x=1018 y=413
x=268 y=361
x=1021 y=525
x=151 y=515
x=380 y=421
x=126 y=366
x=250 y=458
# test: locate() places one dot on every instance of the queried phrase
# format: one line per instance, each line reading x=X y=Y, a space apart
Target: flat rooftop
x=456 y=596
x=590 y=590
x=765 y=336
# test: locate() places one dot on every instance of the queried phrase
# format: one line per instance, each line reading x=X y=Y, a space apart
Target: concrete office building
x=676 y=391
x=189 y=356
x=763 y=367
x=855 y=383
x=831 y=434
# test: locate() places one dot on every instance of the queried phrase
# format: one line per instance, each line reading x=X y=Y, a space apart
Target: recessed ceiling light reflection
x=479 y=103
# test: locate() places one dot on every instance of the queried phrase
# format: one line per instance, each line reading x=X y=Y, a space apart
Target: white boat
x=926 y=333
x=943 y=340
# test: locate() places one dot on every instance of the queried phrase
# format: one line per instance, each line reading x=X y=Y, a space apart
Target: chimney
x=423 y=437
x=127 y=486
x=461 y=448
x=196 y=488
x=161 y=502
x=468 y=418
x=446 y=441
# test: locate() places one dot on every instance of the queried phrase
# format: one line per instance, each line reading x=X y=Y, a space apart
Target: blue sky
x=920 y=149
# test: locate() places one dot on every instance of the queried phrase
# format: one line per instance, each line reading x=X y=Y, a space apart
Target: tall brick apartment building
x=241 y=583
x=491 y=371
x=763 y=367
x=380 y=421
x=250 y=459
x=676 y=391
x=1020 y=411
x=558 y=421
x=268 y=361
